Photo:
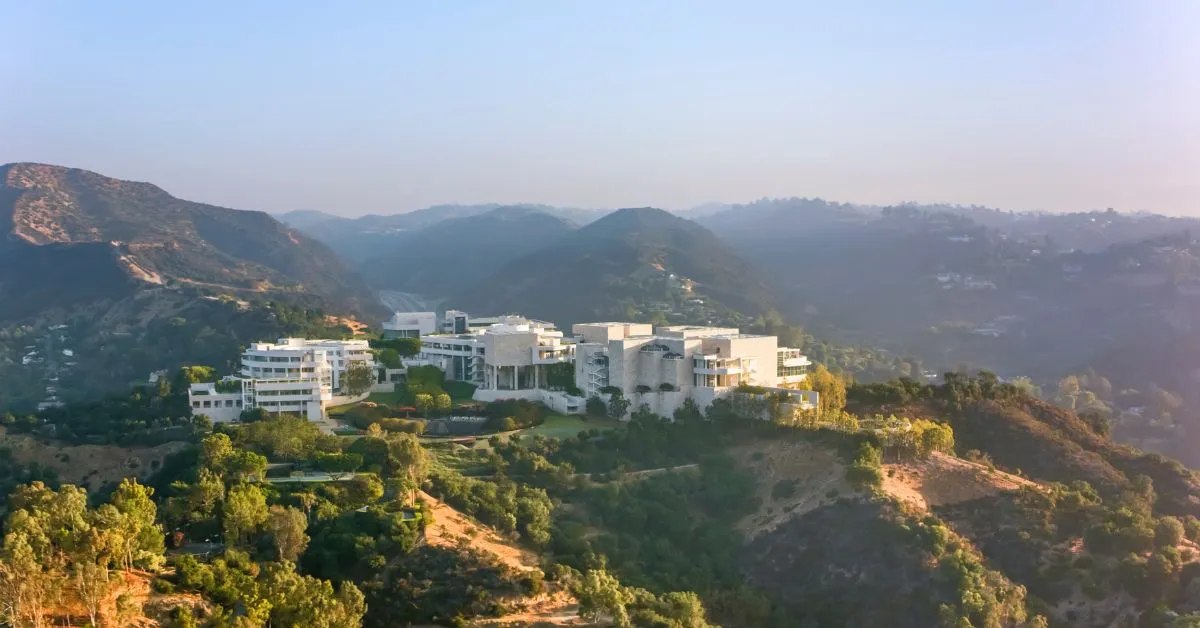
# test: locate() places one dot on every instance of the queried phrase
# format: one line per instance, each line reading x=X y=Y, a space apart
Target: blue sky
x=378 y=107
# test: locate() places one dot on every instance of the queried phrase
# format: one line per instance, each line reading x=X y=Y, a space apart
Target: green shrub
x=783 y=489
x=1168 y=532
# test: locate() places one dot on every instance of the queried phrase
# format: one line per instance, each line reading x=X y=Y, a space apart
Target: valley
x=953 y=423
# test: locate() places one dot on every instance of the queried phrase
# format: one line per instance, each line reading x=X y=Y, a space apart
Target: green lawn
x=391 y=399
x=565 y=426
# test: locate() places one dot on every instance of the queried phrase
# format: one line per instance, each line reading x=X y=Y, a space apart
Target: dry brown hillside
x=451 y=528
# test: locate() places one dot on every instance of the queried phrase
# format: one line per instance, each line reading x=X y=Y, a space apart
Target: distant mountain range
x=631 y=258
x=375 y=236
x=1101 y=294
x=442 y=258
x=560 y=264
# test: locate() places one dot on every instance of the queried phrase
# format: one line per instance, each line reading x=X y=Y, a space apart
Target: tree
x=363 y=490
x=27 y=588
x=406 y=347
x=339 y=465
x=830 y=387
x=297 y=600
x=196 y=375
x=358 y=378
x=1026 y=385
x=389 y=357
x=423 y=401
x=245 y=466
x=601 y=594
x=595 y=407
x=214 y=449
x=138 y=532
x=196 y=501
x=442 y=402
x=408 y=461
x=245 y=510
x=618 y=405
x=1168 y=532
x=92 y=585
x=929 y=437
x=287 y=527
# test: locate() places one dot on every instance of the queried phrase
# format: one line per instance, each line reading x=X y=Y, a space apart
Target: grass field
x=565 y=426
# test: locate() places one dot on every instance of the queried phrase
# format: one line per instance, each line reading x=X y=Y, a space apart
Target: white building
x=295 y=375
x=663 y=367
x=511 y=354
x=221 y=407
x=459 y=322
x=410 y=325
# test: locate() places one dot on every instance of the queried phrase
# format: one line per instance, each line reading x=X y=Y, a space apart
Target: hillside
x=373 y=236
x=84 y=351
x=66 y=223
x=438 y=259
x=1060 y=299
x=630 y=259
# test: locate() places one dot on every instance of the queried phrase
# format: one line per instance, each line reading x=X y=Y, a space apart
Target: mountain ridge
x=160 y=239
x=460 y=251
x=621 y=260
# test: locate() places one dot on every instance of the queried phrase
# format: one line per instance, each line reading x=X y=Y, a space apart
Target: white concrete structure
x=459 y=322
x=410 y=325
x=218 y=406
x=511 y=354
x=295 y=376
x=663 y=367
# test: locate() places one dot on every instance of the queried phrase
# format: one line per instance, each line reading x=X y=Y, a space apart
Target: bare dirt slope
x=941 y=480
x=451 y=528
x=89 y=466
x=793 y=478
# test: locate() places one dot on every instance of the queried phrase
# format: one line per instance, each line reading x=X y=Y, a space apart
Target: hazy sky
x=388 y=106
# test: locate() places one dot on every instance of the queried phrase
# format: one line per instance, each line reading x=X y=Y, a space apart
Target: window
x=195 y=404
x=228 y=403
x=207 y=403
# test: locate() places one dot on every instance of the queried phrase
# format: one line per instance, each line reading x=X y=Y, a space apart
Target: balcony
x=719 y=370
x=795 y=361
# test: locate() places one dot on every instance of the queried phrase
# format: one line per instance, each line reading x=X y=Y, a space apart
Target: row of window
x=263 y=358
x=451 y=347
x=284 y=393
x=281 y=404
x=282 y=371
x=229 y=403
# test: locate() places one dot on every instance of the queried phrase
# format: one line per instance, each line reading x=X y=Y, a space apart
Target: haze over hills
x=441 y=258
x=631 y=258
x=1102 y=296
x=366 y=237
